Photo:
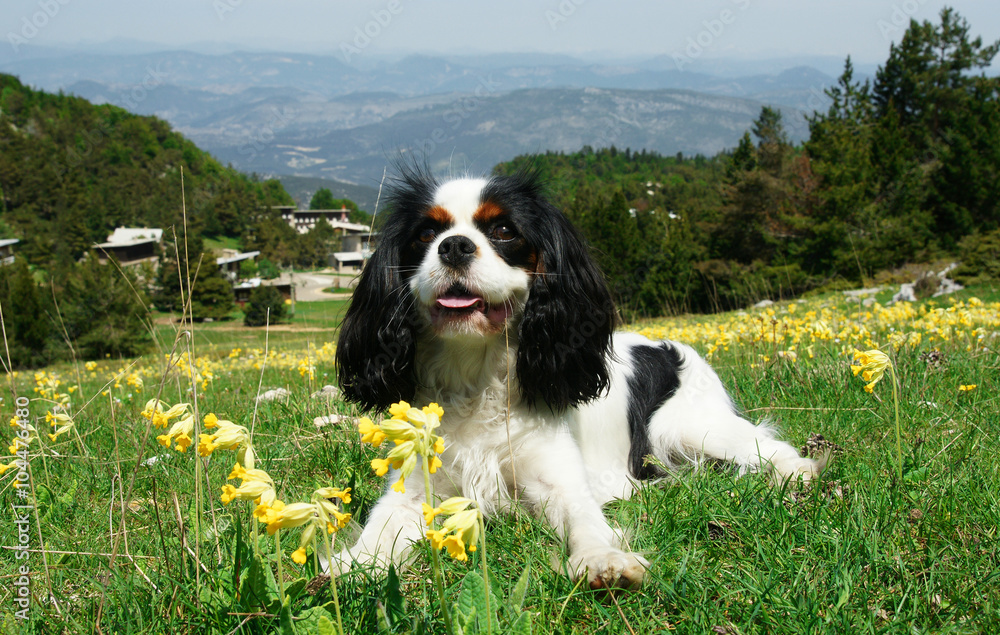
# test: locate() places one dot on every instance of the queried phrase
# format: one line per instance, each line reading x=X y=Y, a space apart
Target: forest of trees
x=903 y=168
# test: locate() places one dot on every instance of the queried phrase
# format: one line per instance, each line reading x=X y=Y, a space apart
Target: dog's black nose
x=456 y=251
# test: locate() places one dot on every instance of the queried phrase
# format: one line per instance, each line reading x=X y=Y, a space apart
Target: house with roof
x=131 y=246
x=356 y=240
x=231 y=261
x=302 y=220
x=7 y=250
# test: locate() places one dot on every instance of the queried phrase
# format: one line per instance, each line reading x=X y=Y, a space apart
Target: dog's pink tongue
x=455 y=302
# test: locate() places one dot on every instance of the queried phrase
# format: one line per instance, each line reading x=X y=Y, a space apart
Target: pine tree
x=322 y=199
x=187 y=263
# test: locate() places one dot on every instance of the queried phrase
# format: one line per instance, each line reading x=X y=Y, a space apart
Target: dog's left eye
x=503 y=233
x=427 y=235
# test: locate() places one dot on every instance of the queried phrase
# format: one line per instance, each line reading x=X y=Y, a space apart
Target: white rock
x=272 y=395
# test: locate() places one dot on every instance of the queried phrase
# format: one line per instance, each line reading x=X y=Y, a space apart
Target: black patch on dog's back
x=655 y=379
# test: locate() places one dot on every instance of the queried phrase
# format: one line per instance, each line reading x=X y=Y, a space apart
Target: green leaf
x=520 y=590
x=315 y=620
x=522 y=625
x=395 y=605
x=472 y=601
x=285 y=625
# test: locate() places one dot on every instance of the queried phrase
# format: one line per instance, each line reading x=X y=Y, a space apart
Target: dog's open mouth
x=458 y=298
x=460 y=304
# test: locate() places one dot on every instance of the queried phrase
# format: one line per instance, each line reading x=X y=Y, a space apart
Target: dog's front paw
x=800 y=470
x=608 y=568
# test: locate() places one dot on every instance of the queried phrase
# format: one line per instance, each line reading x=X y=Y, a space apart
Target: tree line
x=901 y=168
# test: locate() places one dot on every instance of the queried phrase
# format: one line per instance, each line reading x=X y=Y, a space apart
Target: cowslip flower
x=62 y=422
x=370 y=432
x=257 y=486
x=228 y=436
x=872 y=365
x=967 y=387
x=459 y=533
x=180 y=433
x=329 y=512
x=412 y=432
x=161 y=414
x=288 y=516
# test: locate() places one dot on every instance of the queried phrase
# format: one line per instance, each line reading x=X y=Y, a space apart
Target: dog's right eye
x=427 y=235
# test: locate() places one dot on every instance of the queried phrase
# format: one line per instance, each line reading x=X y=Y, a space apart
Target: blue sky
x=735 y=29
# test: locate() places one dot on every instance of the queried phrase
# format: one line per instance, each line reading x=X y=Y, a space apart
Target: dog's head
x=473 y=258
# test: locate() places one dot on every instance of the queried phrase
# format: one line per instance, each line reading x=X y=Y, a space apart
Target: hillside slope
x=70 y=172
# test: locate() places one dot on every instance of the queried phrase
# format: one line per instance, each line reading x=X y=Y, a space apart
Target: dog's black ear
x=564 y=338
x=376 y=346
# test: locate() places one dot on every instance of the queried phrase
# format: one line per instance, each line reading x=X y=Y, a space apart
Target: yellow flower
x=872 y=365
x=211 y=421
x=8 y=466
x=229 y=436
x=380 y=466
x=370 y=433
x=180 y=433
x=294 y=515
x=413 y=433
x=330 y=514
x=332 y=492
x=967 y=387
x=249 y=490
x=436 y=409
x=299 y=555
x=449 y=507
x=154 y=411
x=460 y=532
x=245 y=474
x=399 y=410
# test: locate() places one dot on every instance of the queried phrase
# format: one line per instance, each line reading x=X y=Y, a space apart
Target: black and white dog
x=483 y=298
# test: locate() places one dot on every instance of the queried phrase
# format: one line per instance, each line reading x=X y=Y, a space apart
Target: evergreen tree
x=25 y=317
x=323 y=199
x=103 y=310
x=266 y=306
x=188 y=273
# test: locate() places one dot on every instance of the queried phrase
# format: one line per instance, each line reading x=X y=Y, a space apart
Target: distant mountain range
x=316 y=116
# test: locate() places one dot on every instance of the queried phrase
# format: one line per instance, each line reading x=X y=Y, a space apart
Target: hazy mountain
x=462 y=132
x=328 y=76
x=313 y=115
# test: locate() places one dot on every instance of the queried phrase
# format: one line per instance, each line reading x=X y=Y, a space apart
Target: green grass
x=859 y=552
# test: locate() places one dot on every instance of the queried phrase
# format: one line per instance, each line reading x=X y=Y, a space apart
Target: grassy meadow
x=137 y=540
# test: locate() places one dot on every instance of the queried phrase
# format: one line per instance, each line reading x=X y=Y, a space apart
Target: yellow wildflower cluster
x=305 y=362
x=47 y=387
x=180 y=432
x=61 y=421
x=225 y=435
x=786 y=331
x=460 y=529
x=322 y=512
x=872 y=365
x=413 y=433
